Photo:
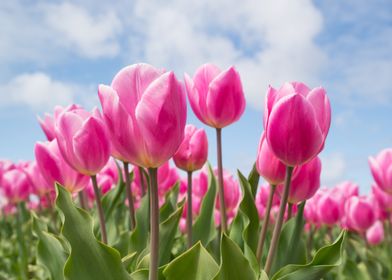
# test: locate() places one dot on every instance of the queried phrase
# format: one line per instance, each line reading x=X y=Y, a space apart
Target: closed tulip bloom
x=360 y=214
x=305 y=181
x=54 y=168
x=296 y=121
x=383 y=199
x=37 y=181
x=145 y=112
x=193 y=151
x=375 y=234
x=83 y=140
x=381 y=168
x=328 y=209
x=216 y=96
x=268 y=165
x=16 y=185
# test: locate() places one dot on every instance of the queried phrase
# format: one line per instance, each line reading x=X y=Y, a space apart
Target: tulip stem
x=82 y=200
x=279 y=222
x=264 y=228
x=128 y=188
x=21 y=241
x=189 y=210
x=289 y=211
x=97 y=193
x=142 y=182
x=52 y=210
x=154 y=224
x=310 y=241
x=222 y=205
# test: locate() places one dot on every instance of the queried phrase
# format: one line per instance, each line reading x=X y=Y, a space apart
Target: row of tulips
x=115 y=165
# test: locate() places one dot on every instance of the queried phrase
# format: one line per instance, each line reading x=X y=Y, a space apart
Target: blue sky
x=56 y=52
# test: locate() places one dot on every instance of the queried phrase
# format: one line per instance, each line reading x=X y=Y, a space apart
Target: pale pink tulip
x=381 y=168
x=375 y=234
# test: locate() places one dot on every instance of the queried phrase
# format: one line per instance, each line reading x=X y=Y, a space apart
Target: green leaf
x=167 y=232
x=204 y=226
x=263 y=275
x=139 y=236
x=50 y=252
x=194 y=264
x=325 y=259
x=291 y=247
x=234 y=265
x=89 y=258
x=170 y=204
x=253 y=179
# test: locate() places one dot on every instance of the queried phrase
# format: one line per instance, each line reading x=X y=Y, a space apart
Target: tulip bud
x=296 y=121
x=216 y=96
x=375 y=234
x=16 y=185
x=359 y=213
x=268 y=165
x=381 y=168
x=328 y=209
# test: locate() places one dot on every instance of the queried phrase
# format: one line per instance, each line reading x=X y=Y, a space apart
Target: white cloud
x=37 y=91
x=334 y=166
x=269 y=41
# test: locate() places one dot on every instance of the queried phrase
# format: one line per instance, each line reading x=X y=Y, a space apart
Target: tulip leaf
x=234 y=265
x=204 y=226
x=325 y=259
x=167 y=232
x=291 y=247
x=50 y=252
x=170 y=204
x=194 y=264
x=139 y=236
x=253 y=179
x=89 y=258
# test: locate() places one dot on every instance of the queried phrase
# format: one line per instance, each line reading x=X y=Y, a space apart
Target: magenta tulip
x=216 y=96
x=305 y=181
x=16 y=185
x=145 y=112
x=37 y=181
x=193 y=151
x=375 y=234
x=383 y=199
x=54 y=168
x=83 y=140
x=268 y=165
x=381 y=168
x=360 y=214
x=328 y=209
x=296 y=121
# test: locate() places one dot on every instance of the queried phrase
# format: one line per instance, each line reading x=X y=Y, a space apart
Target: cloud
x=334 y=166
x=38 y=91
x=268 y=41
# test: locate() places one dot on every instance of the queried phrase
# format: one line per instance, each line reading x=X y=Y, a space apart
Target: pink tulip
x=37 y=181
x=296 y=121
x=268 y=165
x=145 y=112
x=54 y=168
x=216 y=96
x=383 y=199
x=262 y=199
x=328 y=209
x=375 y=234
x=359 y=213
x=305 y=181
x=83 y=140
x=381 y=168
x=193 y=151
x=16 y=185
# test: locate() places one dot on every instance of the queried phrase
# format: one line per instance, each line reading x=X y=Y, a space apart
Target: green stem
x=289 y=211
x=82 y=199
x=21 y=242
x=97 y=193
x=142 y=182
x=222 y=206
x=128 y=190
x=279 y=222
x=154 y=224
x=264 y=228
x=189 y=210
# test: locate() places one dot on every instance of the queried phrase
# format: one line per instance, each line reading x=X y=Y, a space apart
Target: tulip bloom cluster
x=108 y=187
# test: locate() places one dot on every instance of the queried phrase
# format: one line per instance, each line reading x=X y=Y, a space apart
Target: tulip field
x=127 y=190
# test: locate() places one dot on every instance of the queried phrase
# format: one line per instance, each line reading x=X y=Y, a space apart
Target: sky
x=57 y=52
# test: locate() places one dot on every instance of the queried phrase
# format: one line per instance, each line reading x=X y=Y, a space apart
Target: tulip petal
x=322 y=108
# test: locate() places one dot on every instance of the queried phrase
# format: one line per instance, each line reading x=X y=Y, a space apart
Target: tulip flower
x=191 y=156
x=328 y=209
x=296 y=121
x=217 y=99
x=381 y=168
x=54 y=168
x=145 y=111
x=383 y=199
x=375 y=234
x=359 y=213
x=16 y=185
